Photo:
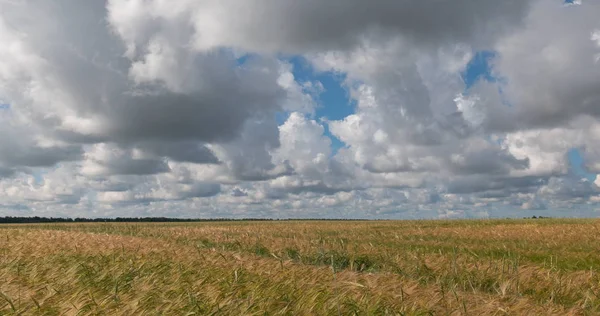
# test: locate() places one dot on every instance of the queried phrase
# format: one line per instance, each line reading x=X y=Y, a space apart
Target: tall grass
x=301 y=268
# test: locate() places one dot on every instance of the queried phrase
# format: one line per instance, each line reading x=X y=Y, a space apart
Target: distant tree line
x=37 y=219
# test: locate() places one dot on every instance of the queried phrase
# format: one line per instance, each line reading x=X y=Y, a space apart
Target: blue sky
x=334 y=103
x=577 y=165
x=479 y=68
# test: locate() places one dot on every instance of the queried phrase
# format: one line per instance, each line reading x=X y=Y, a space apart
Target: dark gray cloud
x=18 y=150
x=39 y=157
x=201 y=189
x=556 y=84
x=106 y=160
x=136 y=166
x=6 y=172
x=495 y=185
x=102 y=184
x=183 y=151
x=486 y=162
x=214 y=113
x=248 y=157
x=293 y=26
x=569 y=188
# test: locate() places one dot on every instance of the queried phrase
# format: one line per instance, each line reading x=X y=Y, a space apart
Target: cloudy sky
x=338 y=108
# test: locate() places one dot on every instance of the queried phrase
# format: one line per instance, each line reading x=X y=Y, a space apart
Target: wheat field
x=479 y=267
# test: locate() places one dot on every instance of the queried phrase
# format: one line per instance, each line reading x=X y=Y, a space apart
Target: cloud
x=533 y=205
x=195 y=108
x=569 y=188
x=312 y=25
x=104 y=159
x=87 y=90
x=557 y=83
x=19 y=149
x=182 y=151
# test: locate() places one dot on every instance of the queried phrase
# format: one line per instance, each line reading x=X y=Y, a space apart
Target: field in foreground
x=535 y=267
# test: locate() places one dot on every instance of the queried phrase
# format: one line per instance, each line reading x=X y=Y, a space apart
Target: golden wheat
x=539 y=267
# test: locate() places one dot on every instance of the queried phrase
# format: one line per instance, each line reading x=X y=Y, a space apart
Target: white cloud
x=157 y=108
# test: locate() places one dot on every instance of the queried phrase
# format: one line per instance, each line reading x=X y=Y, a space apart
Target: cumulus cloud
x=290 y=26
x=558 y=82
x=196 y=108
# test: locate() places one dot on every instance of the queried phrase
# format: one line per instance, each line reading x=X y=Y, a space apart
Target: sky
x=300 y=109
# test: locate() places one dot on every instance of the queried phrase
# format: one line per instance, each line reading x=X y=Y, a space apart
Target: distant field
x=535 y=267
